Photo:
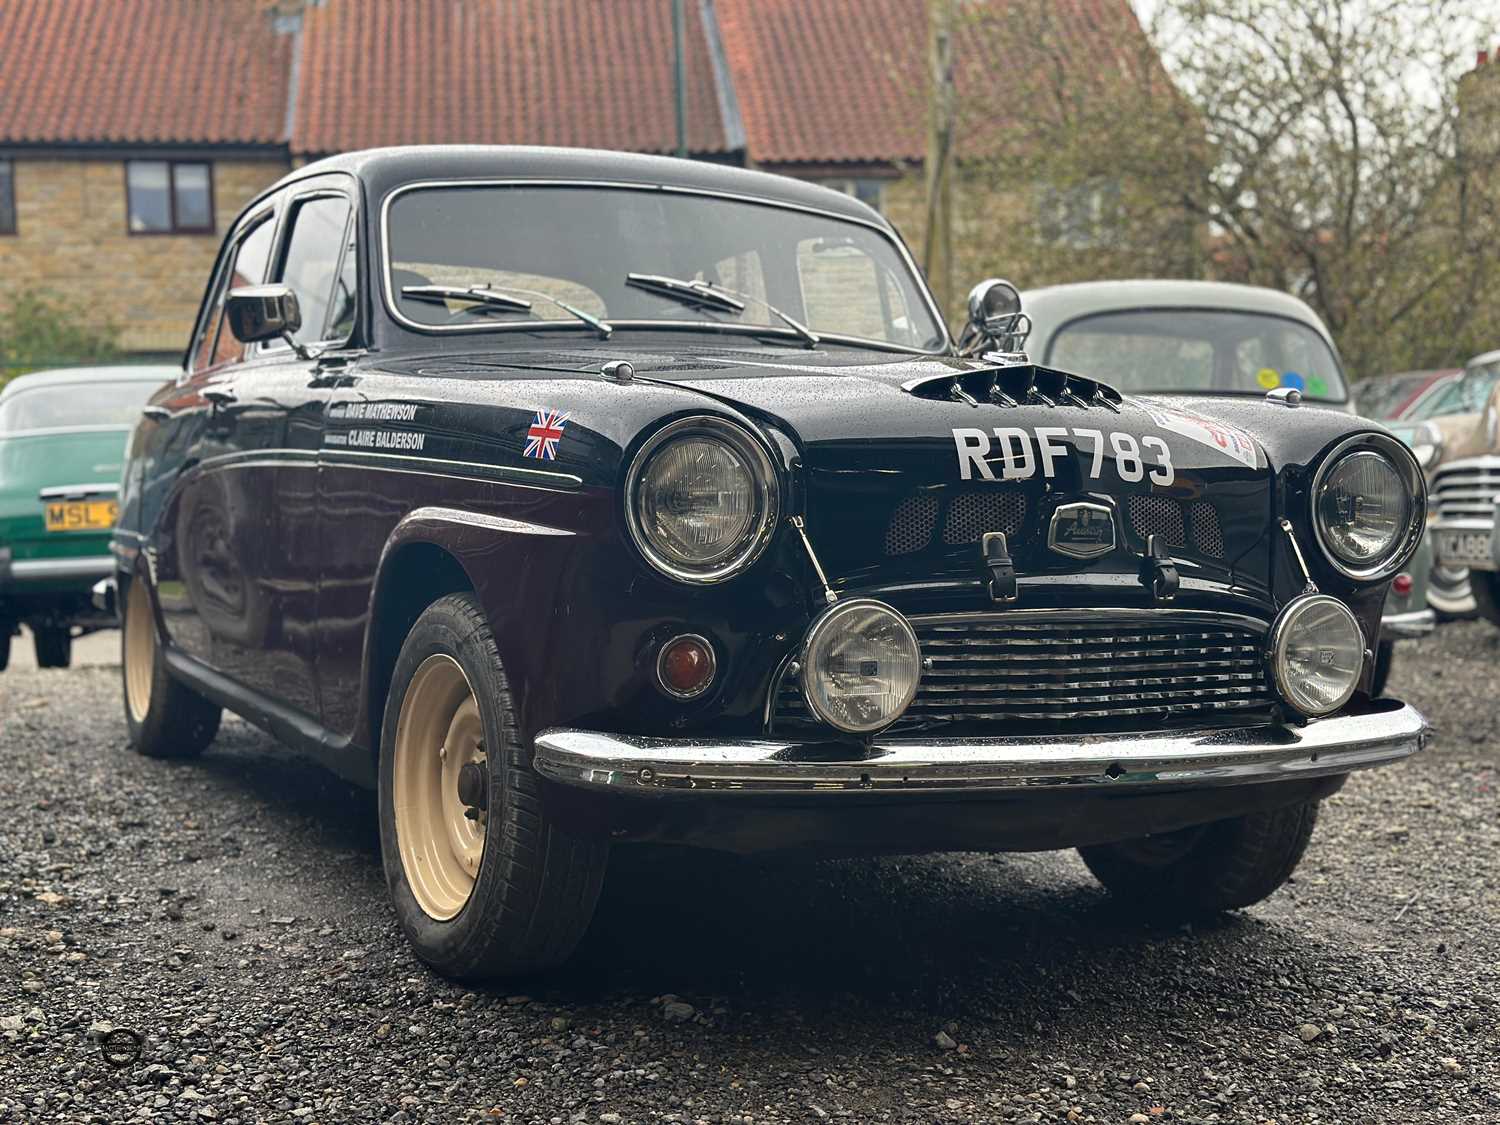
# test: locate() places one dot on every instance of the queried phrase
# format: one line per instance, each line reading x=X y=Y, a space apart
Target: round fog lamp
x=1317 y=654
x=685 y=666
x=860 y=666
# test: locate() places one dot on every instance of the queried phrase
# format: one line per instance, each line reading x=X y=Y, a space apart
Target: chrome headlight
x=1369 y=506
x=860 y=666
x=701 y=499
x=1317 y=654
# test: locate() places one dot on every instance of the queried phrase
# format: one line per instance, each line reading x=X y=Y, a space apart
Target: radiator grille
x=1096 y=673
x=1206 y=531
x=911 y=525
x=1466 y=490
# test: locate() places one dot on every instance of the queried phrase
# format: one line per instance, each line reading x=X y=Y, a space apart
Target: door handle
x=156 y=413
x=219 y=396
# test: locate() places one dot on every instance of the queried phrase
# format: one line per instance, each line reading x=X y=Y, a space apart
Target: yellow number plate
x=81 y=515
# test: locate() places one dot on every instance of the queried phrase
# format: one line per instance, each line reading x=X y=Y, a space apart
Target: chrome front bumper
x=19 y=573
x=1405 y=626
x=1385 y=731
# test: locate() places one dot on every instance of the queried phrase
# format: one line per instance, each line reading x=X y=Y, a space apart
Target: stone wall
x=71 y=242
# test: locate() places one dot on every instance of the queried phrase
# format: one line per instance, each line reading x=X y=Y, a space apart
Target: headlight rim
x=743 y=440
x=1405 y=463
x=1279 y=627
x=804 y=653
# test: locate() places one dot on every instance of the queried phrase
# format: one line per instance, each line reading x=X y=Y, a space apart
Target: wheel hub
x=440 y=787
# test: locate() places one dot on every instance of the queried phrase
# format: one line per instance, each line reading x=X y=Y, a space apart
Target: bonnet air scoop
x=1011 y=385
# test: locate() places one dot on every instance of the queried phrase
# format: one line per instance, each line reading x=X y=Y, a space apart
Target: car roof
x=1484 y=357
x=1054 y=306
x=383 y=169
x=122 y=373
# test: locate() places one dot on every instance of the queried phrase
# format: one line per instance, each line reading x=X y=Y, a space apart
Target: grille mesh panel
x=1160 y=516
x=971 y=514
x=1101 y=673
x=1206 y=531
x=911 y=525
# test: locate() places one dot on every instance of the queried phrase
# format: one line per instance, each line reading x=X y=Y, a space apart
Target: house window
x=7 y=197
x=169 y=197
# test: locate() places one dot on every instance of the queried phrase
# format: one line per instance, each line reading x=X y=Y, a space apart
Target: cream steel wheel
x=140 y=653
x=441 y=839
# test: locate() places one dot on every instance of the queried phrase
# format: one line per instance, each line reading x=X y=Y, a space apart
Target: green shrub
x=39 y=330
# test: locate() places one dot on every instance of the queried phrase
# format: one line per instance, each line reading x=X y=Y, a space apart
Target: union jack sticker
x=545 y=434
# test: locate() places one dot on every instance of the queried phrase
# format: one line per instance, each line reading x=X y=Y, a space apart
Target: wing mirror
x=264 y=312
x=995 y=319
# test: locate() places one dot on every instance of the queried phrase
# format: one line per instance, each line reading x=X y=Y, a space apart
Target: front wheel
x=1208 y=868
x=54 y=646
x=165 y=719
x=485 y=883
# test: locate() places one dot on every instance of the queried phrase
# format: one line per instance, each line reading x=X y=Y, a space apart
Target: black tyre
x=7 y=631
x=54 y=646
x=1209 y=868
x=484 y=882
x=1486 y=596
x=165 y=719
x=1385 y=655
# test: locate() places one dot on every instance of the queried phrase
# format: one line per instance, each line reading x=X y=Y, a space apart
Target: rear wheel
x=165 y=718
x=484 y=882
x=54 y=646
x=1209 y=868
x=7 y=631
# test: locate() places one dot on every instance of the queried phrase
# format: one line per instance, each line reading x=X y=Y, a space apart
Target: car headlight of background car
x=1317 y=654
x=1369 y=504
x=860 y=666
x=701 y=499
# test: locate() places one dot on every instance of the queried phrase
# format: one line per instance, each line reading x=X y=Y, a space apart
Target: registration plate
x=81 y=515
x=1465 y=548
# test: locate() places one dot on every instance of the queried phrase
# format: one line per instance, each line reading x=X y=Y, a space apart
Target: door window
x=247 y=266
x=313 y=266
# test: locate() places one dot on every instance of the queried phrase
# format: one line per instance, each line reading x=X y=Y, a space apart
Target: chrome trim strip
x=60 y=570
x=388 y=293
x=1405 y=626
x=72 y=491
x=1385 y=732
x=1104 y=617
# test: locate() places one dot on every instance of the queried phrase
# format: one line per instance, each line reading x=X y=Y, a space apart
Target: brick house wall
x=71 y=240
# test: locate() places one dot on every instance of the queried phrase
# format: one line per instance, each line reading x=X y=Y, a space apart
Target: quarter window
x=7 y=197
x=311 y=266
x=217 y=345
x=169 y=197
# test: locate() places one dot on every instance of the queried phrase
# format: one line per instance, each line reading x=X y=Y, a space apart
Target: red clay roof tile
x=147 y=72
x=594 y=73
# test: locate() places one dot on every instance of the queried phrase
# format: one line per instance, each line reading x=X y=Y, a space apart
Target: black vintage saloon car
x=576 y=499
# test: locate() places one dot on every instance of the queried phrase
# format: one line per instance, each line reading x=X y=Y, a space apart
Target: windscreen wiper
x=489 y=295
x=707 y=294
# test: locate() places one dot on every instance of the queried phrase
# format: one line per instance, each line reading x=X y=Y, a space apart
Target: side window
x=251 y=255
x=312 y=265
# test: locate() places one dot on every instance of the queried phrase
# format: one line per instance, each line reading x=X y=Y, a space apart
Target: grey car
x=1197 y=338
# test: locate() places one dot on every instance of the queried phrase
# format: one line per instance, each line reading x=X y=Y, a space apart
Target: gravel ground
x=232 y=912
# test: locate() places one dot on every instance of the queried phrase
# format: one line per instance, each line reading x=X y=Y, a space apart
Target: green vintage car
x=62 y=443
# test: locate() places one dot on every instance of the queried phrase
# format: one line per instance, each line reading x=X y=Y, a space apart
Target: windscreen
x=579 y=245
x=1192 y=351
x=70 y=405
